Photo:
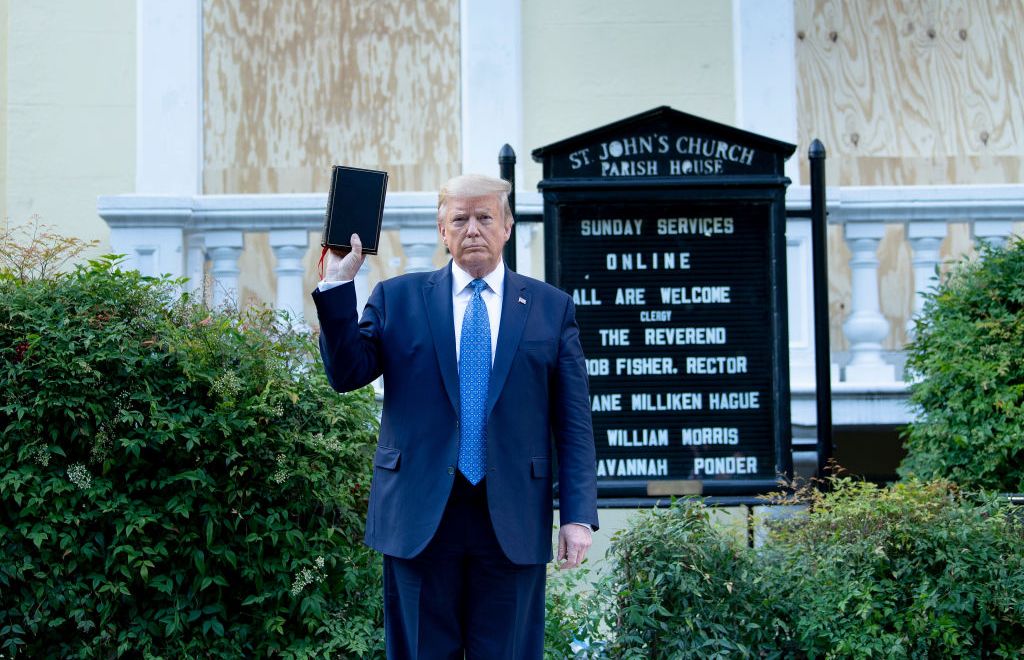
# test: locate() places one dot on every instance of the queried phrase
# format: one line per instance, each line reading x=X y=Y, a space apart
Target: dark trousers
x=461 y=597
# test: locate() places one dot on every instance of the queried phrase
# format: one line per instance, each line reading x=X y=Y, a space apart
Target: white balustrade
x=993 y=232
x=419 y=244
x=176 y=235
x=149 y=231
x=289 y=246
x=224 y=247
x=362 y=284
x=925 y=240
x=195 y=263
x=866 y=327
x=415 y=218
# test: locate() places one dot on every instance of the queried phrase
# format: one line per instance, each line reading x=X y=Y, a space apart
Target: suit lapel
x=437 y=295
x=515 y=307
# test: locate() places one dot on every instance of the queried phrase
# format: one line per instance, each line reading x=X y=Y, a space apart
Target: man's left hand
x=573 y=542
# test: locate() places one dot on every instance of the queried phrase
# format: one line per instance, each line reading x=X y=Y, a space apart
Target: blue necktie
x=474 y=376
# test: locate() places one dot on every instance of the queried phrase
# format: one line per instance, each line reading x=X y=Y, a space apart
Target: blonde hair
x=474 y=185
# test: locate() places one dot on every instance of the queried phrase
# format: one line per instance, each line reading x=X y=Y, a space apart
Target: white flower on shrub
x=227 y=385
x=307 y=576
x=281 y=475
x=330 y=444
x=79 y=475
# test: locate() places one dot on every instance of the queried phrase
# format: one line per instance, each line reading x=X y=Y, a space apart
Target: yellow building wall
x=70 y=111
x=590 y=62
x=908 y=93
x=4 y=41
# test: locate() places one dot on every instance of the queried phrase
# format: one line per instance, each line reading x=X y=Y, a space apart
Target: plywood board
x=913 y=92
x=293 y=87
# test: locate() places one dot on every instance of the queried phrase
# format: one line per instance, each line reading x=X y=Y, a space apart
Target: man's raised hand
x=340 y=266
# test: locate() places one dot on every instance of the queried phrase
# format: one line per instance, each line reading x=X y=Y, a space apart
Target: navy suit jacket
x=538 y=393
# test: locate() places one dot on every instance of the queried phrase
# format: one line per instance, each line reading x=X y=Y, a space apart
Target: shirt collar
x=495 y=279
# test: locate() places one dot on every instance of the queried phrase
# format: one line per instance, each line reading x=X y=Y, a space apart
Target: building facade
x=196 y=137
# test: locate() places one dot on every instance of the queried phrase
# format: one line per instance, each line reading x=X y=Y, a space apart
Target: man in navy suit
x=483 y=374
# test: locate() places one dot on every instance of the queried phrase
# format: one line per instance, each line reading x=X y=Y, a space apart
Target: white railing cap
x=930 y=203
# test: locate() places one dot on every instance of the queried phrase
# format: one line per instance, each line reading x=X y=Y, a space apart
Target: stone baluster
x=993 y=232
x=866 y=328
x=224 y=246
x=290 y=246
x=362 y=285
x=150 y=235
x=195 y=263
x=525 y=233
x=419 y=244
x=925 y=239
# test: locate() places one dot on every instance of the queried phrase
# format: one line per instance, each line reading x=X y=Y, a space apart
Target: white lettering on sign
x=685 y=295
x=615 y=337
x=696 y=166
x=694 y=226
x=579 y=158
x=625 y=156
x=734 y=400
x=683 y=336
x=598 y=367
x=653 y=261
x=638 y=437
x=606 y=403
x=656 y=316
x=667 y=401
x=709 y=148
x=632 y=467
x=717 y=465
x=611 y=227
x=715 y=435
x=630 y=168
x=685 y=145
x=716 y=365
x=633 y=146
x=646 y=366
x=630 y=296
x=585 y=297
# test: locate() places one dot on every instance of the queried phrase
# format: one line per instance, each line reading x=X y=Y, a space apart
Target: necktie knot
x=478 y=285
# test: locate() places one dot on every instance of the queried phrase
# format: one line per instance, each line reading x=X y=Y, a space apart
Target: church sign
x=668 y=231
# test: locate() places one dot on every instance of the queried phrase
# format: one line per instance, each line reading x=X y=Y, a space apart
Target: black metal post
x=507 y=167
x=822 y=353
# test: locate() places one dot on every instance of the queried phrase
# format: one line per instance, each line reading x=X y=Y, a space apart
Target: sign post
x=669 y=232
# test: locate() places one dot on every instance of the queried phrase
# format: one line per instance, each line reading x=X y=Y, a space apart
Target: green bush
x=685 y=589
x=916 y=570
x=673 y=586
x=919 y=570
x=576 y=624
x=175 y=481
x=967 y=366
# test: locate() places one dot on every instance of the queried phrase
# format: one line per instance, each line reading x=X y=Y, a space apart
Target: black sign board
x=669 y=232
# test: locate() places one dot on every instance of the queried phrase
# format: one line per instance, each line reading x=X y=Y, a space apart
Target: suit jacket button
x=451 y=469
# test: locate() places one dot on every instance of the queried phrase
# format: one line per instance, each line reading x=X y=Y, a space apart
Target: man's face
x=475 y=232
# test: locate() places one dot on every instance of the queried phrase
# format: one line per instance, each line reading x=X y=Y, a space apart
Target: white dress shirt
x=462 y=294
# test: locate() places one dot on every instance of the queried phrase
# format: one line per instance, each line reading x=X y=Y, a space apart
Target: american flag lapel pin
x=522 y=301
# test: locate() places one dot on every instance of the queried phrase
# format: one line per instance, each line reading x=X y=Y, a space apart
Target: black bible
x=355 y=205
